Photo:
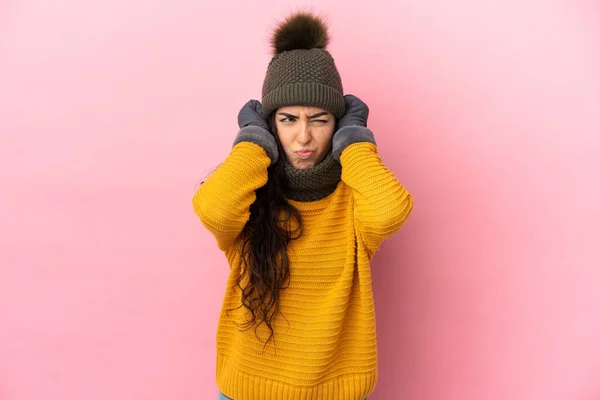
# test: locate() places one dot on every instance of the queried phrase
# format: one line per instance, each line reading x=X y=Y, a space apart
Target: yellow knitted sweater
x=325 y=340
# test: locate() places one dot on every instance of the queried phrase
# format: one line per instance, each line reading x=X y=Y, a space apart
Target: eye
x=288 y=119
x=322 y=121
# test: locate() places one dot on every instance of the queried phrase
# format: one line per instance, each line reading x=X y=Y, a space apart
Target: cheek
x=284 y=139
x=326 y=134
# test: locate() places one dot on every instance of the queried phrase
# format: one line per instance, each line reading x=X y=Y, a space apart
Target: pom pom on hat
x=301 y=30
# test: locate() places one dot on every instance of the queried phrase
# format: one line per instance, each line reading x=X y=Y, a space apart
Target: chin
x=303 y=164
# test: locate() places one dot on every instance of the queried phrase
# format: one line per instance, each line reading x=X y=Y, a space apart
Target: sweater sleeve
x=381 y=203
x=223 y=201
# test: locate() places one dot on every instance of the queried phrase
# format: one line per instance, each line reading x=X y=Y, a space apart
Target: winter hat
x=302 y=72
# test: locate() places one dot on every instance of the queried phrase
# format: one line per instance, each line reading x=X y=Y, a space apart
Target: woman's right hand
x=251 y=114
x=255 y=128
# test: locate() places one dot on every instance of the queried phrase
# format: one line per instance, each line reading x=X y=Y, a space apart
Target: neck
x=314 y=183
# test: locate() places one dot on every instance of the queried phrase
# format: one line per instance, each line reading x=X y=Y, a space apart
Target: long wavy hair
x=272 y=225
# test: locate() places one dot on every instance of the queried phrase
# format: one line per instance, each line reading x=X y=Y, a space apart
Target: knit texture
x=314 y=183
x=303 y=78
x=325 y=338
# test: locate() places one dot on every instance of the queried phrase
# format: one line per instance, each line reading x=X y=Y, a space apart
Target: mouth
x=305 y=153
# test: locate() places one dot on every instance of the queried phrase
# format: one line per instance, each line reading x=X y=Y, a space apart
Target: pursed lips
x=305 y=153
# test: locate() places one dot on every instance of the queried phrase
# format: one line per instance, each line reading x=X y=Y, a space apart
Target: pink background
x=111 y=112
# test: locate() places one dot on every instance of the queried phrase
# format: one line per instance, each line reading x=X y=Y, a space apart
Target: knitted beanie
x=302 y=72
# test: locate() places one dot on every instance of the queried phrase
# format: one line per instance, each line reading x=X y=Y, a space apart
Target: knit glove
x=251 y=114
x=352 y=127
x=357 y=112
x=254 y=128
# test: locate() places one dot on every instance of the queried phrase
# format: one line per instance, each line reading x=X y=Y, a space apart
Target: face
x=305 y=134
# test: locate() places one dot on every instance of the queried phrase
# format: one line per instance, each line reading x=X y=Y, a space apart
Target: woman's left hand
x=357 y=112
x=352 y=127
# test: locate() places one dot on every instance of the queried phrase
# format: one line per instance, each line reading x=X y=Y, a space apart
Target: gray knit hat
x=302 y=72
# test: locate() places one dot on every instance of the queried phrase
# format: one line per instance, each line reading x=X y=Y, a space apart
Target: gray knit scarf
x=314 y=183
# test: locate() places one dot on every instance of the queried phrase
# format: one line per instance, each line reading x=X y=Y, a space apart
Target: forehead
x=301 y=110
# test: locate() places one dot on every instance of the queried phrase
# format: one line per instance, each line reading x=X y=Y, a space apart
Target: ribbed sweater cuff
x=349 y=135
x=260 y=136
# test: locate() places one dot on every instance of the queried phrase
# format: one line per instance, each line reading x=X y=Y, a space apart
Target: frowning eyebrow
x=287 y=115
x=317 y=115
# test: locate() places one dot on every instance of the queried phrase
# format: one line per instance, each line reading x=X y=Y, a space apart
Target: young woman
x=299 y=208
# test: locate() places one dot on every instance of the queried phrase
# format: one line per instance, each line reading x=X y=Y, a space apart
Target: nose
x=304 y=135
